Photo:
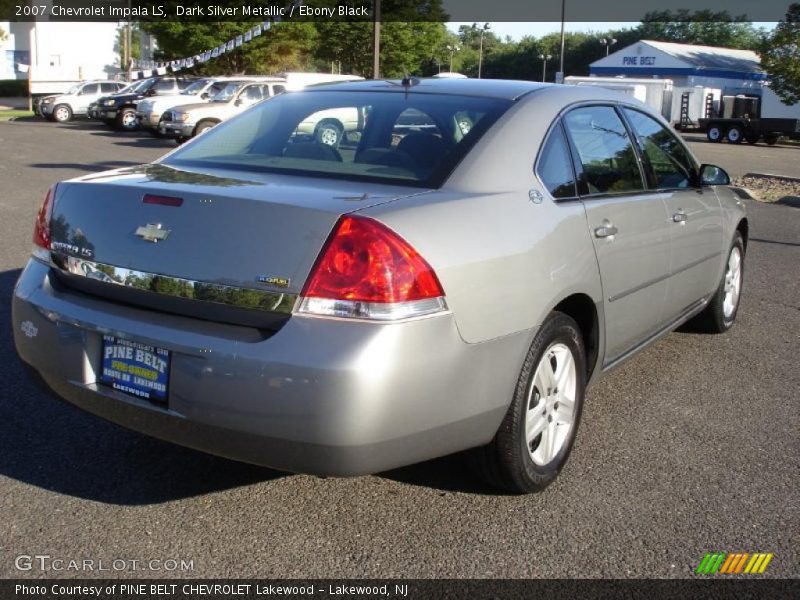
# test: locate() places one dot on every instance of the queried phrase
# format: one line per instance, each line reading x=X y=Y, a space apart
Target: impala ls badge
x=152 y=232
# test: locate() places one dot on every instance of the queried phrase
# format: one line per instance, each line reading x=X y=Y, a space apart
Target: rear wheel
x=126 y=120
x=62 y=113
x=714 y=133
x=538 y=431
x=752 y=138
x=721 y=311
x=735 y=134
x=329 y=133
x=771 y=139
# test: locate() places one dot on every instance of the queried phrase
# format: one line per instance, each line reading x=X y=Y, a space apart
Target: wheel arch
x=743 y=227
x=583 y=310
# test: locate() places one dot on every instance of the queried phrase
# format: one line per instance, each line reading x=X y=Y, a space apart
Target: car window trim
x=694 y=175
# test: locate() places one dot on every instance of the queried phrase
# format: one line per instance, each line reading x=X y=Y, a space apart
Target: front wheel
x=126 y=120
x=62 y=113
x=536 y=435
x=203 y=126
x=721 y=311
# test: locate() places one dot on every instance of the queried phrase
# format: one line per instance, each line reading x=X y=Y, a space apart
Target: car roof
x=488 y=88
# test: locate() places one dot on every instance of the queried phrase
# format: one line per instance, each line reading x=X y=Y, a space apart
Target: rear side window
x=607 y=159
x=672 y=165
x=555 y=165
x=109 y=87
x=90 y=89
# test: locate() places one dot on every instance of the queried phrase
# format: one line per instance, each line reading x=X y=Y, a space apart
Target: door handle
x=679 y=217
x=605 y=231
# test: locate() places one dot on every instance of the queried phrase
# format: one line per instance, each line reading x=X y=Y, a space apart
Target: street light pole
x=608 y=42
x=484 y=29
x=544 y=58
x=563 y=14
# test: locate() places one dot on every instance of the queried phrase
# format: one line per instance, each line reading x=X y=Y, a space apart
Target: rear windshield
x=411 y=139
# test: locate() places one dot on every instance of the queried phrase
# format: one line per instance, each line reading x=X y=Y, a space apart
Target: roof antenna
x=408 y=81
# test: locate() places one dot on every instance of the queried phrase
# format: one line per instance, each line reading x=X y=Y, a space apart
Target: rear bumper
x=320 y=396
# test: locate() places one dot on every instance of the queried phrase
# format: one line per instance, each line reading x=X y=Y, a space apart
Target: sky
x=519 y=30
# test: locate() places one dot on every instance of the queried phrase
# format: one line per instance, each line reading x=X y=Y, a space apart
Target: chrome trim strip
x=640 y=287
x=165 y=285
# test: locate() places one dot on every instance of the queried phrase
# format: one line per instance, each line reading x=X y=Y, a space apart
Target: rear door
x=695 y=215
x=628 y=225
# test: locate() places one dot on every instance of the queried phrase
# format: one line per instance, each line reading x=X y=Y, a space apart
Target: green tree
x=702 y=27
x=406 y=46
x=780 y=56
x=285 y=47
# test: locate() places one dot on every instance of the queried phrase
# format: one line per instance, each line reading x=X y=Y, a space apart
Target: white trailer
x=657 y=92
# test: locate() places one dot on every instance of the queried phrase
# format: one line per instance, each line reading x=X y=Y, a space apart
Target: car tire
x=203 y=126
x=537 y=434
x=126 y=120
x=735 y=134
x=62 y=113
x=714 y=133
x=753 y=138
x=154 y=132
x=329 y=133
x=720 y=314
x=771 y=139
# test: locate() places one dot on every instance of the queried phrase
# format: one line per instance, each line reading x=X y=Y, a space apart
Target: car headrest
x=313 y=151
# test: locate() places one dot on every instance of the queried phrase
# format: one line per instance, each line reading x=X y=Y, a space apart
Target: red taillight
x=41 y=228
x=162 y=200
x=365 y=261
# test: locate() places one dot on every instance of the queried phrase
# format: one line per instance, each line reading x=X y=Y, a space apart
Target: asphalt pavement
x=691 y=447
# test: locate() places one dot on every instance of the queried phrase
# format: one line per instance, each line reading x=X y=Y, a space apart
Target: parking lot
x=691 y=447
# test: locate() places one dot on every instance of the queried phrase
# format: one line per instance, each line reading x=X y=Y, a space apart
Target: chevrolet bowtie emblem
x=152 y=232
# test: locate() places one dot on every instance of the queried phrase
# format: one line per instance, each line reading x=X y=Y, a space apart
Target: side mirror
x=204 y=95
x=713 y=175
x=238 y=102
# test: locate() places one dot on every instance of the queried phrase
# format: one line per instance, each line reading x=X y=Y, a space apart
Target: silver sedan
x=450 y=275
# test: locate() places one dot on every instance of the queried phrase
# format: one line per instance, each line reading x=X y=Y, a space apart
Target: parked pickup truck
x=185 y=122
x=149 y=110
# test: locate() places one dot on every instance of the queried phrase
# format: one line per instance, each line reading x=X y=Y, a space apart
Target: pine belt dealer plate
x=136 y=369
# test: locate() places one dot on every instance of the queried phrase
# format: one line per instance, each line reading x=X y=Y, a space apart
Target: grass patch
x=6 y=115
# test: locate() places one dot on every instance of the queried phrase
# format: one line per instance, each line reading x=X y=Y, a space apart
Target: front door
x=694 y=214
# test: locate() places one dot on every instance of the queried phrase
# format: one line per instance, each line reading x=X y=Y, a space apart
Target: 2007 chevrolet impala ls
x=449 y=272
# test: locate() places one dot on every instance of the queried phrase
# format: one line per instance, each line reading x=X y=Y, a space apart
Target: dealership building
x=732 y=71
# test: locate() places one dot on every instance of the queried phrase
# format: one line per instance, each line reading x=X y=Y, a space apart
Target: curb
x=771 y=176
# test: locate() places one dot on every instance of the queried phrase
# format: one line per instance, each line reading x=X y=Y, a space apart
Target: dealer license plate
x=136 y=369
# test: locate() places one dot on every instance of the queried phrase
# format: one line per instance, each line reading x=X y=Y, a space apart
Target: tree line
x=426 y=48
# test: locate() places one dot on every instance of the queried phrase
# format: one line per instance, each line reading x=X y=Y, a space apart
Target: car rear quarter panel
x=504 y=260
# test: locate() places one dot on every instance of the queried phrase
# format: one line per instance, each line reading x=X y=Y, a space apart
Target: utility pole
x=376 y=42
x=563 y=14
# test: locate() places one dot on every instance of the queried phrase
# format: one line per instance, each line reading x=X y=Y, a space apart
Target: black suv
x=119 y=111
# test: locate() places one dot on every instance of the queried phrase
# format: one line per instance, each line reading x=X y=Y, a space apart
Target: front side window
x=90 y=89
x=555 y=165
x=164 y=85
x=109 y=87
x=414 y=139
x=606 y=156
x=672 y=165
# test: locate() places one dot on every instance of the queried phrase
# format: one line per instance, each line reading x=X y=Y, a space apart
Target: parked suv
x=187 y=121
x=76 y=100
x=119 y=111
x=149 y=111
